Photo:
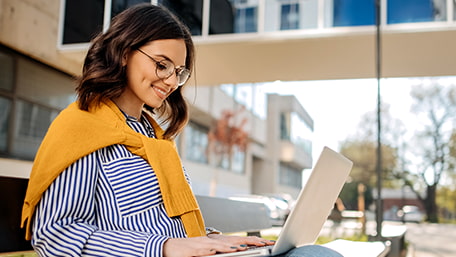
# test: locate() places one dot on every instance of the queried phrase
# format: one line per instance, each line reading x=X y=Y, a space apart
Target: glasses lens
x=182 y=76
x=164 y=69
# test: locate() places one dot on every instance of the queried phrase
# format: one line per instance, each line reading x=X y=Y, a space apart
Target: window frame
x=80 y=46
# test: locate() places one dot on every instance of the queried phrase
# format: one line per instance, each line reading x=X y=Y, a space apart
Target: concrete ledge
x=359 y=249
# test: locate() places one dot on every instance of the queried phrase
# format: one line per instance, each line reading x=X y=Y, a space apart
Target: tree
x=226 y=135
x=363 y=155
x=435 y=108
x=361 y=149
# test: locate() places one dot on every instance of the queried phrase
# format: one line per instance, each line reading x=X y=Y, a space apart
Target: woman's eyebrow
x=168 y=59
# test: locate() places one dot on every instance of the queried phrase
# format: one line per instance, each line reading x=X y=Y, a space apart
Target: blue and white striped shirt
x=107 y=203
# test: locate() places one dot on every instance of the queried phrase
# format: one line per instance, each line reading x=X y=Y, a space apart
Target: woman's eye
x=162 y=66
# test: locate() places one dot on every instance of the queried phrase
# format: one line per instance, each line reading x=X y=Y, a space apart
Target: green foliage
x=355 y=237
x=364 y=157
x=349 y=195
x=446 y=201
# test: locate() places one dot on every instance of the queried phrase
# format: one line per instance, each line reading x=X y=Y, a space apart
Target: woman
x=107 y=180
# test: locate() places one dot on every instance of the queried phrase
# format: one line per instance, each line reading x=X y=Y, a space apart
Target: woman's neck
x=129 y=108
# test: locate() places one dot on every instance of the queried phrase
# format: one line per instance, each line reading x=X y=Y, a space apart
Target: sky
x=337 y=106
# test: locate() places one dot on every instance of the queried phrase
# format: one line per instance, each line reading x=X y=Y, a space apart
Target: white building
x=279 y=142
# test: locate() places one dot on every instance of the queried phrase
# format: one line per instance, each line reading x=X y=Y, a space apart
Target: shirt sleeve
x=65 y=220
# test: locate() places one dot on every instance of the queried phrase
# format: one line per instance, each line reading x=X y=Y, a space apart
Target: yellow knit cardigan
x=76 y=133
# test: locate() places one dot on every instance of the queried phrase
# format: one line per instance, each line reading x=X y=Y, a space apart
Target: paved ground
x=423 y=240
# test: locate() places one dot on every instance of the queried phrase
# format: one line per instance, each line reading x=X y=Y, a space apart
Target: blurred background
x=275 y=81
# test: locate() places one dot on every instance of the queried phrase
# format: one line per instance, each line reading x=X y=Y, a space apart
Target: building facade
x=278 y=141
x=43 y=43
x=42 y=47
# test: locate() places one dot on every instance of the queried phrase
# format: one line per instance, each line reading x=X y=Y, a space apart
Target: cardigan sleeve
x=65 y=220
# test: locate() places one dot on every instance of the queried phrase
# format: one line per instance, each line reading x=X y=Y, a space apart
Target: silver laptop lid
x=314 y=202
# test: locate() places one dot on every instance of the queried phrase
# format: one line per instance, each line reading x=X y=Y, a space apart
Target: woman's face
x=144 y=86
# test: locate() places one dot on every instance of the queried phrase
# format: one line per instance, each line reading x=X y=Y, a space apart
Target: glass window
x=289 y=16
x=238 y=16
x=221 y=17
x=117 y=6
x=6 y=72
x=238 y=160
x=32 y=122
x=222 y=160
x=285 y=126
x=38 y=93
x=82 y=20
x=252 y=96
x=301 y=133
x=244 y=95
x=294 y=129
x=228 y=89
x=5 y=108
x=44 y=85
x=354 y=13
x=290 y=176
x=405 y=11
x=189 y=11
x=246 y=20
x=259 y=106
x=196 y=142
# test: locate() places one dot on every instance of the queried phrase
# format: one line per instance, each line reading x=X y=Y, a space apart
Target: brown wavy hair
x=103 y=75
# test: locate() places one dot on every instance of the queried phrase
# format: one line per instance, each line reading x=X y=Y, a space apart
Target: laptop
x=312 y=207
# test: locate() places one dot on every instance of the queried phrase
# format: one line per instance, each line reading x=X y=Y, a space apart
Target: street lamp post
x=379 y=204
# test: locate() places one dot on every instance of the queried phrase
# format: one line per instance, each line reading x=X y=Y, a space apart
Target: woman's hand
x=242 y=240
x=209 y=245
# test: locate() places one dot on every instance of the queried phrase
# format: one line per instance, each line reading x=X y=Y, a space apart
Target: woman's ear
x=125 y=58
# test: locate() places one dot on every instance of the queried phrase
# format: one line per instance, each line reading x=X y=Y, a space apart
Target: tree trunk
x=430 y=204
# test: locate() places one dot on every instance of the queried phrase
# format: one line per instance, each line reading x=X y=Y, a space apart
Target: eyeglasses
x=164 y=69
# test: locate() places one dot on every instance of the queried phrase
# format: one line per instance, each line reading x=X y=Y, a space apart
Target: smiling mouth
x=160 y=91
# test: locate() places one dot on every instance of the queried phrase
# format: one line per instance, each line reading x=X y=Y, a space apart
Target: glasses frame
x=178 y=71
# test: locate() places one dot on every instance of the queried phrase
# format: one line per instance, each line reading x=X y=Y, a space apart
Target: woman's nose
x=171 y=81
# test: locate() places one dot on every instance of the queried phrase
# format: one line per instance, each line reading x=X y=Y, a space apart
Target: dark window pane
x=189 y=11
x=412 y=11
x=233 y=16
x=221 y=17
x=354 y=13
x=5 y=108
x=83 y=20
x=6 y=72
x=118 y=6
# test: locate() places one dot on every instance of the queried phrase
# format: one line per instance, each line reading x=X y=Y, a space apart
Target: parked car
x=284 y=203
x=410 y=213
x=275 y=214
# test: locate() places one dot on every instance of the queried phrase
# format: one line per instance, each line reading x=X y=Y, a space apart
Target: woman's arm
x=64 y=223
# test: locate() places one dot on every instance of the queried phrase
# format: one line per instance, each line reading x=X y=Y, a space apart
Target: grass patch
x=355 y=237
